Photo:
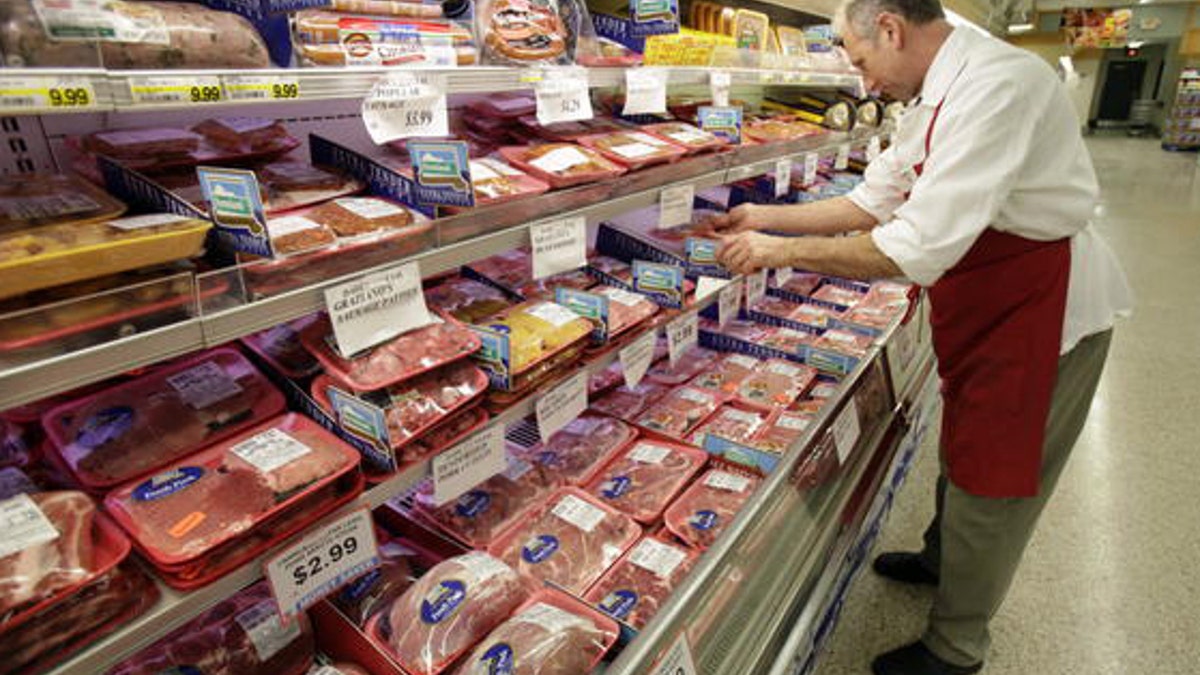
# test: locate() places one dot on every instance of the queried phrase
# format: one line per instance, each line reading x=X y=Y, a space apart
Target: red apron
x=997 y=320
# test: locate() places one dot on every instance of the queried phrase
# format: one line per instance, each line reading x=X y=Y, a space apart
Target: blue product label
x=359 y=588
x=725 y=122
x=135 y=189
x=443 y=172
x=235 y=205
x=701 y=251
x=366 y=422
x=443 y=601
x=659 y=281
x=497 y=660
x=473 y=503
x=493 y=354
x=619 y=603
x=615 y=487
x=589 y=306
x=704 y=520
x=539 y=549
x=182 y=670
x=168 y=483
x=105 y=426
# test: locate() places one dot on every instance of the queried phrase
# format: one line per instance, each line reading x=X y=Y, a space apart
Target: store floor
x=1110 y=583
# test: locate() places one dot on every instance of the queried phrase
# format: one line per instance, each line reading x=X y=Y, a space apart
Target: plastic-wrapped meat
x=706 y=508
x=467 y=300
x=625 y=309
x=628 y=402
x=606 y=379
x=691 y=363
x=511 y=269
x=727 y=375
x=544 y=288
x=280 y=346
x=787 y=340
x=844 y=342
x=837 y=295
x=570 y=540
x=887 y=293
x=576 y=452
x=873 y=316
x=641 y=581
x=537 y=329
x=447 y=611
x=769 y=304
x=377 y=589
x=634 y=149
x=802 y=283
x=414 y=406
x=778 y=383
x=646 y=477
x=242 y=134
x=782 y=432
x=445 y=434
x=562 y=164
x=617 y=269
x=49 y=547
x=679 y=411
x=480 y=514
x=812 y=315
x=730 y=423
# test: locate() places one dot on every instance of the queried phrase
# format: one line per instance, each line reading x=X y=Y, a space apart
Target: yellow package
x=791 y=41
x=751 y=30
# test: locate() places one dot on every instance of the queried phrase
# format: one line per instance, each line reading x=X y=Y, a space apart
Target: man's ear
x=892 y=30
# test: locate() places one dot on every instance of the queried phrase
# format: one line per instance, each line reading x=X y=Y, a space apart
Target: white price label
x=578 y=512
x=843 y=157
x=376 y=308
x=649 y=453
x=558 y=246
x=783 y=275
x=730 y=482
x=406 y=105
x=267 y=632
x=675 y=205
x=189 y=89
x=204 y=385
x=262 y=87
x=873 y=149
x=562 y=404
x=783 y=176
x=272 y=449
x=756 y=287
x=563 y=95
x=468 y=464
x=22 y=94
x=729 y=302
x=677 y=660
x=148 y=221
x=706 y=286
x=654 y=556
x=810 y=168
x=846 y=431
x=24 y=525
x=719 y=81
x=645 y=91
x=322 y=562
x=636 y=358
x=682 y=334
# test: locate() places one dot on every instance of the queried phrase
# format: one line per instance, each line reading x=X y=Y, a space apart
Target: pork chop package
x=727 y=374
x=706 y=508
x=844 y=342
x=641 y=581
x=680 y=411
x=575 y=453
x=569 y=540
x=415 y=352
x=479 y=515
x=447 y=611
x=731 y=422
x=626 y=402
x=643 y=479
x=280 y=347
x=445 y=434
x=693 y=362
x=243 y=634
x=784 y=429
x=137 y=427
x=551 y=634
x=206 y=514
x=778 y=383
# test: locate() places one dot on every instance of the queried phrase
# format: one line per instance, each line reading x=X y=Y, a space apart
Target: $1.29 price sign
x=322 y=562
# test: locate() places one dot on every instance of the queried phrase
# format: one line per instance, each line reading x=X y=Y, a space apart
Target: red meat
x=541 y=639
x=579 y=449
x=373 y=591
x=45 y=568
x=727 y=374
x=645 y=478
x=680 y=411
x=837 y=295
x=784 y=430
x=730 y=423
x=625 y=309
x=778 y=383
x=802 y=283
x=641 y=581
x=706 y=508
x=691 y=363
x=844 y=342
x=483 y=512
x=627 y=403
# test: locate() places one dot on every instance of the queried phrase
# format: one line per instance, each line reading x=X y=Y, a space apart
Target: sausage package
x=480 y=514
x=575 y=453
x=642 y=580
x=706 y=508
x=528 y=32
x=643 y=479
x=562 y=164
x=325 y=38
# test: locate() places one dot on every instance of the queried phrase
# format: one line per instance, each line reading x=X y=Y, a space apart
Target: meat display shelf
x=33 y=91
x=462 y=239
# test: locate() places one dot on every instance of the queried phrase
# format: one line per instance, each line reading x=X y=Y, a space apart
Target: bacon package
x=706 y=508
x=134 y=428
x=447 y=611
x=479 y=515
x=731 y=423
x=562 y=164
x=628 y=402
x=634 y=149
x=777 y=384
x=242 y=134
x=679 y=412
x=280 y=347
x=727 y=374
x=691 y=138
x=645 y=478
x=641 y=581
x=575 y=453
x=569 y=540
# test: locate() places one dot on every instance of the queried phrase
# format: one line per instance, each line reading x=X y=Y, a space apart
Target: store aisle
x=1109 y=583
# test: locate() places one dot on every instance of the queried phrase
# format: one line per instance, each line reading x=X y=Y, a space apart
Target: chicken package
x=480 y=514
x=626 y=402
x=641 y=581
x=562 y=165
x=467 y=300
x=325 y=38
x=34 y=199
x=447 y=611
x=689 y=137
x=634 y=149
x=575 y=453
x=496 y=182
x=691 y=363
x=134 y=428
x=538 y=330
x=569 y=540
x=194 y=520
x=706 y=508
x=551 y=634
x=844 y=342
x=242 y=635
x=280 y=347
x=777 y=384
x=680 y=411
x=837 y=295
x=727 y=374
x=643 y=480
x=801 y=283
x=407 y=355
x=731 y=423
x=362 y=598
x=784 y=429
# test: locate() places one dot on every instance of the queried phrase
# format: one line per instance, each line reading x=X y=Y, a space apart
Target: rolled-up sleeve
x=881 y=192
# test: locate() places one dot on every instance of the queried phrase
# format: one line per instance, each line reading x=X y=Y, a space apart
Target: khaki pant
x=975 y=543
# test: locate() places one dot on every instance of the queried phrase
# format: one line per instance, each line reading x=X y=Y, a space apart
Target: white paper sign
x=405 y=104
x=719 y=81
x=682 y=334
x=873 y=149
x=756 y=287
x=729 y=302
x=636 y=358
x=24 y=525
x=558 y=246
x=468 y=464
x=142 y=222
x=677 y=660
x=846 y=431
x=563 y=95
x=843 y=157
x=783 y=176
x=323 y=561
x=675 y=205
x=376 y=308
x=562 y=404
x=783 y=275
x=810 y=168
x=645 y=91
x=706 y=286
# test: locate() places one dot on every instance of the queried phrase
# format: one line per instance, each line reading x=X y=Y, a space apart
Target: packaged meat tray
x=447 y=611
x=579 y=450
x=731 y=423
x=288 y=185
x=777 y=384
x=52 y=255
x=727 y=374
x=207 y=514
x=606 y=379
x=625 y=309
x=801 y=283
x=537 y=331
x=506 y=105
x=679 y=412
x=34 y=199
x=641 y=581
x=787 y=340
x=325 y=38
x=550 y=634
x=444 y=435
x=414 y=8
x=408 y=355
x=844 y=342
x=643 y=479
x=781 y=432
x=524 y=33
x=466 y=299
x=837 y=295
x=496 y=182
x=634 y=149
x=627 y=403
x=874 y=317
x=544 y=289
x=243 y=634
x=280 y=347
x=356 y=216
x=132 y=429
x=706 y=508
x=242 y=134
x=569 y=540
x=562 y=164
x=362 y=598
x=513 y=271
x=691 y=363
x=482 y=513
x=692 y=139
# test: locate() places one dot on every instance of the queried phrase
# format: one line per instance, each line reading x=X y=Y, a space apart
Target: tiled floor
x=1110 y=582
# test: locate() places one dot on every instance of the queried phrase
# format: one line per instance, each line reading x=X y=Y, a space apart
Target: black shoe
x=904 y=567
x=916 y=659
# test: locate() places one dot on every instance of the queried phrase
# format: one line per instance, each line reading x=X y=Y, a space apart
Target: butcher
x=984 y=199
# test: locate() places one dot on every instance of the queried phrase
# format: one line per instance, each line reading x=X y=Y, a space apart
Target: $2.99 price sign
x=322 y=562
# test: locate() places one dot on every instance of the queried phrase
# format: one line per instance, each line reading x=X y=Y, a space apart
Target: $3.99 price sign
x=322 y=562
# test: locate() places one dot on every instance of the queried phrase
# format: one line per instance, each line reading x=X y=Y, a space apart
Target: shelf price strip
x=262 y=87
x=23 y=94
x=168 y=90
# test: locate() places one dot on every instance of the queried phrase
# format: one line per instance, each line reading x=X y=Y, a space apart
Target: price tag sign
x=376 y=308
x=810 y=168
x=645 y=91
x=468 y=464
x=706 y=286
x=192 y=89
x=756 y=287
x=729 y=302
x=782 y=275
x=783 y=176
x=682 y=334
x=846 y=431
x=873 y=149
x=406 y=105
x=322 y=562
x=261 y=87
x=675 y=205
x=558 y=246
x=23 y=94
x=562 y=404
x=843 y=157
x=636 y=358
x=563 y=95
x=677 y=660
x=901 y=355
x=719 y=82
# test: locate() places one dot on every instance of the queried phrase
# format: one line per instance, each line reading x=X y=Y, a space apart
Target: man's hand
x=741 y=218
x=747 y=252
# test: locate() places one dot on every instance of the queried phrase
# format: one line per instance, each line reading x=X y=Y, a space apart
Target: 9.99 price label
x=322 y=562
x=23 y=94
x=176 y=90
x=261 y=87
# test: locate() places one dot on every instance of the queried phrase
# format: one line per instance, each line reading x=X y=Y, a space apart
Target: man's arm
x=828 y=216
x=856 y=257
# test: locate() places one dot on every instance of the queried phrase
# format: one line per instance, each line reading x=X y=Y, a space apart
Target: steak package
x=362 y=598
x=641 y=581
x=784 y=429
x=575 y=453
x=643 y=479
x=242 y=635
x=706 y=508
x=691 y=363
x=680 y=411
x=727 y=375
x=569 y=540
x=778 y=383
x=634 y=149
x=731 y=423
x=551 y=634
x=134 y=428
x=219 y=507
x=626 y=402
x=447 y=611
x=482 y=513
x=562 y=164
x=844 y=342
x=281 y=348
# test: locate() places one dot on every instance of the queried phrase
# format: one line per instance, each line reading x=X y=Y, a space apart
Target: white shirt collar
x=947 y=64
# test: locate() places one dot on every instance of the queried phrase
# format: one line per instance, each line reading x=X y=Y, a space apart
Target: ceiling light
x=1018 y=28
